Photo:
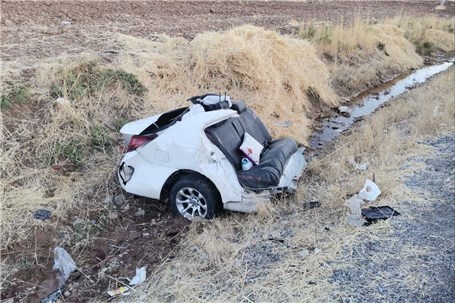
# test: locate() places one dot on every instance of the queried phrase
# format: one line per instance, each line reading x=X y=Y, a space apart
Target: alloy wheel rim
x=191 y=203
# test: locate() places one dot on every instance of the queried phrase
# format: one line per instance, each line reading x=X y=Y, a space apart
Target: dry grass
x=256 y=258
x=429 y=33
x=360 y=54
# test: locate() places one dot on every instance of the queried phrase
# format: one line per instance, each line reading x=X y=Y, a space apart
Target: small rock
x=126 y=207
x=344 y=109
x=145 y=234
x=65 y=23
x=140 y=212
x=304 y=253
x=9 y=23
x=317 y=250
x=67 y=293
x=119 y=199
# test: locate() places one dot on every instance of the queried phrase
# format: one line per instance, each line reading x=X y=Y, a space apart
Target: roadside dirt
x=107 y=248
x=34 y=30
x=418 y=246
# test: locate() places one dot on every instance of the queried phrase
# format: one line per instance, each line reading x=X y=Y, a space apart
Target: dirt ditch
x=138 y=232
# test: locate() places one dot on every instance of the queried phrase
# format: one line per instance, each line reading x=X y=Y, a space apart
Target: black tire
x=192 y=197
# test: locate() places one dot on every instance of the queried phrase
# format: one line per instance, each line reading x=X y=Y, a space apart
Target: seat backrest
x=228 y=136
x=254 y=126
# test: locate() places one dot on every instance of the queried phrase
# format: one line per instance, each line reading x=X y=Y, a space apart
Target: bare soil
x=33 y=30
x=116 y=243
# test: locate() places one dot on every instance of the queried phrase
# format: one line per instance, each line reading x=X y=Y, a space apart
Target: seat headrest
x=240 y=107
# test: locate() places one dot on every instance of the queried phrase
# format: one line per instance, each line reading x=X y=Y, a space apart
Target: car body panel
x=185 y=147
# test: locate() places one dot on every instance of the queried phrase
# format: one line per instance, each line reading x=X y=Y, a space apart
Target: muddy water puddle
x=366 y=103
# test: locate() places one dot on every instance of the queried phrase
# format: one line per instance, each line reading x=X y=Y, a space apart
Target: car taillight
x=137 y=141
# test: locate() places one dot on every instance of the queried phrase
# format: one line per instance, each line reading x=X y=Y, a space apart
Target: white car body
x=184 y=148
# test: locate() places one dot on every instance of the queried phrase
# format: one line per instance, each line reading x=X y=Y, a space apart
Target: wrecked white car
x=194 y=157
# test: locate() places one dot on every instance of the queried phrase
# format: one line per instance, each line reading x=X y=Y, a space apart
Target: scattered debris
x=139 y=213
x=64 y=265
x=315 y=204
x=113 y=215
x=304 y=253
x=119 y=199
x=345 y=110
x=312 y=204
x=53 y=297
x=284 y=124
x=354 y=218
x=370 y=191
x=42 y=214
x=139 y=277
x=436 y=111
x=119 y=291
x=317 y=250
x=375 y=213
x=62 y=101
x=358 y=166
x=65 y=23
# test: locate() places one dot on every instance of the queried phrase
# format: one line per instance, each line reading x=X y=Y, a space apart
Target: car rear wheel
x=194 y=198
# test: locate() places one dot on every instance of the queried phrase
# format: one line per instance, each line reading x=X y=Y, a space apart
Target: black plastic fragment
x=375 y=213
x=42 y=214
x=315 y=204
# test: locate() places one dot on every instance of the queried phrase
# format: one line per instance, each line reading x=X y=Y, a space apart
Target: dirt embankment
x=32 y=30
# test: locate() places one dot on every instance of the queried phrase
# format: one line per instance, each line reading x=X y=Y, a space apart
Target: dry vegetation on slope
x=61 y=156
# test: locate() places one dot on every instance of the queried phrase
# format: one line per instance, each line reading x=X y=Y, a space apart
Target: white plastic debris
x=354 y=217
x=358 y=166
x=436 y=111
x=284 y=124
x=139 y=213
x=65 y=23
x=304 y=253
x=139 y=277
x=62 y=101
x=63 y=264
x=354 y=204
x=370 y=191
